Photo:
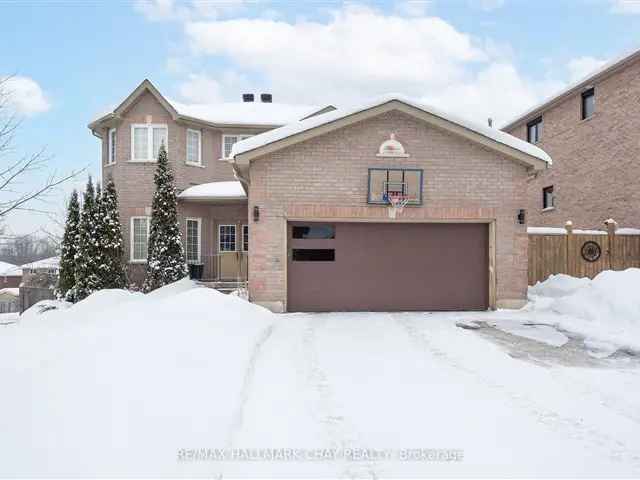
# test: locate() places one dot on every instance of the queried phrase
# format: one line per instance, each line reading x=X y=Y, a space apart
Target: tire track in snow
x=247 y=383
x=340 y=432
x=577 y=430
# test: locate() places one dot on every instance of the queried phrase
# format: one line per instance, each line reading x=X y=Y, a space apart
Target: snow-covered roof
x=574 y=86
x=562 y=231
x=257 y=113
x=300 y=126
x=9 y=270
x=11 y=291
x=214 y=191
x=244 y=113
x=51 y=262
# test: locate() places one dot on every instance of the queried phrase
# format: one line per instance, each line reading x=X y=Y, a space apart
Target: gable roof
x=303 y=129
x=582 y=84
x=224 y=114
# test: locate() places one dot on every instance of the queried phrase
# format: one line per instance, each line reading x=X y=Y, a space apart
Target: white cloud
x=25 y=96
x=625 y=7
x=202 y=88
x=360 y=52
x=172 y=10
x=582 y=66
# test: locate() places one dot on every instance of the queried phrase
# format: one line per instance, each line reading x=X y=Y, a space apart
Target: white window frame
x=131 y=235
x=235 y=235
x=186 y=149
x=186 y=238
x=238 y=136
x=111 y=147
x=149 y=127
x=245 y=236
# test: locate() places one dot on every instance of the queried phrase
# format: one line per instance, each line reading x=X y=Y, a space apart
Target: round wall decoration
x=590 y=251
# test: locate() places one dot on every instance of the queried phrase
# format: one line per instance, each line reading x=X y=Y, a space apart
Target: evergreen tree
x=165 y=260
x=87 y=280
x=69 y=248
x=111 y=269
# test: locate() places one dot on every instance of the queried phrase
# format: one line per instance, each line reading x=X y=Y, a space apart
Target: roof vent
x=266 y=98
x=247 y=97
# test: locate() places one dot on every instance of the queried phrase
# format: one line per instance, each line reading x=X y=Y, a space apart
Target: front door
x=232 y=261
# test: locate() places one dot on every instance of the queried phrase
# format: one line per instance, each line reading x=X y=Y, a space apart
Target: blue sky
x=477 y=58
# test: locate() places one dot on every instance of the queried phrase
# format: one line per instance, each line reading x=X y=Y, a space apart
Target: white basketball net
x=396 y=203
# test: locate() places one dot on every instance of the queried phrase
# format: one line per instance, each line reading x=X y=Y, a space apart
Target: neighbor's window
x=111 y=155
x=226 y=238
x=193 y=240
x=534 y=130
x=146 y=140
x=588 y=103
x=139 y=238
x=194 y=147
x=548 y=200
x=228 y=141
x=314 y=231
x=245 y=238
x=404 y=181
x=313 y=255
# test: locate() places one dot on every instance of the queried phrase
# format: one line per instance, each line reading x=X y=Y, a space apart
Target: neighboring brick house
x=317 y=218
x=591 y=131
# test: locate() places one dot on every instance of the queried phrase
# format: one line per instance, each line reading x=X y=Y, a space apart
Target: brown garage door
x=387 y=266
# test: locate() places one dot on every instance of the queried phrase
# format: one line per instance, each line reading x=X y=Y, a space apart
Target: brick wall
x=596 y=162
x=326 y=177
x=134 y=180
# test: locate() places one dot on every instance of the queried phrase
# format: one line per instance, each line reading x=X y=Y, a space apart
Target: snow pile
x=604 y=311
x=118 y=382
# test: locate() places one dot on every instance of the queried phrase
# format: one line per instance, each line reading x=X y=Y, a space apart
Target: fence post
x=611 y=238
x=568 y=226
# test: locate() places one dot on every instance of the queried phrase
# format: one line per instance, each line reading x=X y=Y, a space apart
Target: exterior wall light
x=522 y=216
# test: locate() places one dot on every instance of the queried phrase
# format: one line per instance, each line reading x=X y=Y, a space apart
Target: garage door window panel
x=304 y=232
x=314 y=255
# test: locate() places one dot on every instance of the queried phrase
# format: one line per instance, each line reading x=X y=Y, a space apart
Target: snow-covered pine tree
x=69 y=248
x=87 y=255
x=165 y=260
x=111 y=270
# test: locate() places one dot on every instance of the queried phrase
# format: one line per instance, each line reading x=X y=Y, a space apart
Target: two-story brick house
x=198 y=139
x=306 y=208
x=591 y=131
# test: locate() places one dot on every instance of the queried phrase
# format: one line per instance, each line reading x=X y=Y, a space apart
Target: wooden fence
x=581 y=253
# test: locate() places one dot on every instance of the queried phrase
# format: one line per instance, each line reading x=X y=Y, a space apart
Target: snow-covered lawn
x=129 y=384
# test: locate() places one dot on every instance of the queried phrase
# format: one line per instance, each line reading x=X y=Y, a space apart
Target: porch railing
x=227 y=266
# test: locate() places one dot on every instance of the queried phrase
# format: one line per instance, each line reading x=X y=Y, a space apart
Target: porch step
x=222 y=285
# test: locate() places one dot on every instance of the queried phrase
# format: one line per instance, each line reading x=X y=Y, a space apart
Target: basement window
x=314 y=255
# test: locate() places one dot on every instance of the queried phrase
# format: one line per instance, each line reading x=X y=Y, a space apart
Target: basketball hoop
x=397 y=202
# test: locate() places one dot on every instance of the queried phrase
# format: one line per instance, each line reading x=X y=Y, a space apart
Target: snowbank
x=605 y=310
x=137 y=376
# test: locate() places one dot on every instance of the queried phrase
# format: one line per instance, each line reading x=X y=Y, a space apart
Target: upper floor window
x=194 y=147
x=139 y=238
x=534 y=130
x=146 y=140
x=228 y=141
x=111 y=154
x=548 y=199
x=588 y=103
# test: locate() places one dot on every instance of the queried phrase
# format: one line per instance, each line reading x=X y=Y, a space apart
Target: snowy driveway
x=400 y=381
x=123 y=384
